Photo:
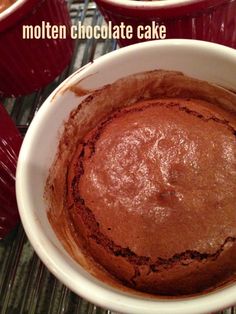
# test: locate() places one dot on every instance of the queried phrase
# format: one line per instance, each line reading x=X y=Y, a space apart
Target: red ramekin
x=209 y=20
x=29 y=64
x=10 y=143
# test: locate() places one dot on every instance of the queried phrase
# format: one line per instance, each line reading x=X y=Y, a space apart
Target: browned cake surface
x=152 y=191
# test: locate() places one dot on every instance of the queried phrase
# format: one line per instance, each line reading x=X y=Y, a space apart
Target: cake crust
x=97 y=241
x=151 y=191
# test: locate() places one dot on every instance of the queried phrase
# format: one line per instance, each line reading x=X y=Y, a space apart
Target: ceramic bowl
x=202 y=60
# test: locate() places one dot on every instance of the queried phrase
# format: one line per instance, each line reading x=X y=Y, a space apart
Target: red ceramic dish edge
x=15 y=12
x=163 y=8
x=26 y=66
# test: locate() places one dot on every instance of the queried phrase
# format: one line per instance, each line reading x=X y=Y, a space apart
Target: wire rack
x=26 y=286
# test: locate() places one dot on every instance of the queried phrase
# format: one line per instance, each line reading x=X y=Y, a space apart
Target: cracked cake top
x=155 y=183
x=147 y=180
x=161 y=169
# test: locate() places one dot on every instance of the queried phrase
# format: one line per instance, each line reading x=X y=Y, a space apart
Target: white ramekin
x=207 y=61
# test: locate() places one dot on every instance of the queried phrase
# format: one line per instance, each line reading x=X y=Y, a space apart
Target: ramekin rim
x=12 y=8
x=152 y=3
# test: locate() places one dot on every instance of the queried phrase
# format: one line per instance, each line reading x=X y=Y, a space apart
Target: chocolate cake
x=151 y=192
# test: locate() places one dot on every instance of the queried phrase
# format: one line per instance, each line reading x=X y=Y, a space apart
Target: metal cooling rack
x=26 y=286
